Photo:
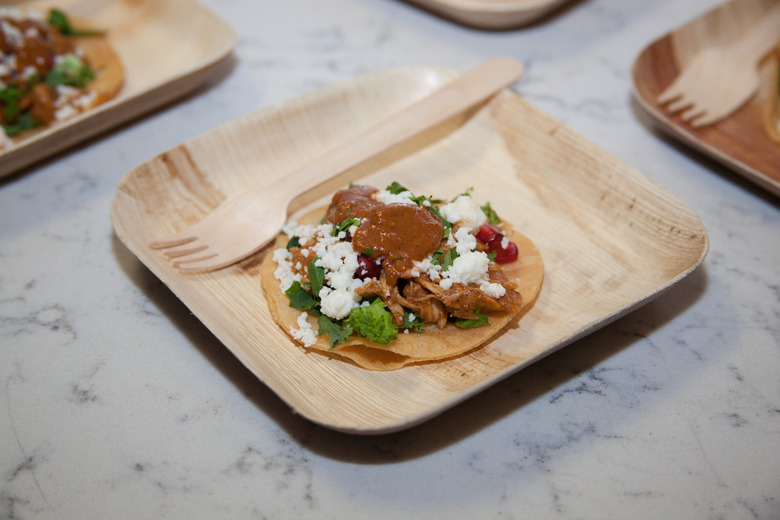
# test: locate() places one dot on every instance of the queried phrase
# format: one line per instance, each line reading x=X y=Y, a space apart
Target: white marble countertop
x=116 y=403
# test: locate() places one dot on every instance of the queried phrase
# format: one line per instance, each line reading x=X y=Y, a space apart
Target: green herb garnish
x=22 y=123
x=338 y=332
x=300 y=298
x=447 y=223
x=479 y=321
x=492 y=216
x=396 y=188
x=71 y=71
x=60 y=21
x=345 y=225
x=444 y=259
x=412 y=321
x=373 y=322
x=316 y=276
x=293 y=242
x=10 y=96
x=466 y=193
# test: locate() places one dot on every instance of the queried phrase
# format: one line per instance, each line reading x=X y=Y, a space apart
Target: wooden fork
x=247 y=221
x=719 y=80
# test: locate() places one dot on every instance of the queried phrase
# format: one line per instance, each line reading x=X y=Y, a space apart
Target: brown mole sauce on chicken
x=398 y=233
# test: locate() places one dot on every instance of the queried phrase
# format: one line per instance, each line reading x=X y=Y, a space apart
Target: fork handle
x=466 y=90
x=762 y=37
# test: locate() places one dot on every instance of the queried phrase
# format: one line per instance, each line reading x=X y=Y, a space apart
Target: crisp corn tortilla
x=105 y=62
x=433 y=344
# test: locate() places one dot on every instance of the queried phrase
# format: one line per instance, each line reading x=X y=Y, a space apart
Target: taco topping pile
x=43 y=73
x=384 y=262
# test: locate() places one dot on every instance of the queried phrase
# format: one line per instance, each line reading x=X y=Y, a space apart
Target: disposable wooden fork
x=245 y=222
x=719 y=80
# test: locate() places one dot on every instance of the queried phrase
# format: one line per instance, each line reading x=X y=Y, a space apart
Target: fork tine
x=173 y=241
x=183 y=250
x=692 y=113
x=670 y=94
x=679 y=104
x=189 y=263
x=705 y=119
x=203 y=264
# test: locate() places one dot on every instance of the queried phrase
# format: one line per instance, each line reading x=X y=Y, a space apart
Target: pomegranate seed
x=504 y=255
x=367 y=268
x=486 y=233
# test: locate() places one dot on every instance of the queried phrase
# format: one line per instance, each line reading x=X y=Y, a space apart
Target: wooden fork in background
x=721 y=79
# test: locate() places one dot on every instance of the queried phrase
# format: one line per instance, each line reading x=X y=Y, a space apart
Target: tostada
x=386 y=279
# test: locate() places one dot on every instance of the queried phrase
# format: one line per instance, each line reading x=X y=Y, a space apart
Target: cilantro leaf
x=373 y=322
x=59 y=20
x=316 y=276
x=299 y=297
x=492 y=255
x=444 y=259
x=24 y=122
x=71 y=71
x=396 y=188
x=412 y=321
x=345 y=225
x=10 y=97
x=492 y=216
x=293 y=242
x=447 y=223
x=338 y=332
x=466 y=193
x=479 y=321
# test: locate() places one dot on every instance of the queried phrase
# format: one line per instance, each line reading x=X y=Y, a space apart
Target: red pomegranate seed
x=486 y=233
x=504 y=255
x=367 y=268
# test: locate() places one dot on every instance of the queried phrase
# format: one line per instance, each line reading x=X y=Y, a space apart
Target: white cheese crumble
x=464 y=212
x=13 y=35
x=385 y=197
x=17 y=14
x=65 y=112
x=496 y=290
x=336 y=257
x=464 y=241
x=471 y=267
x=84 y=101
x=304 y=333
x=64 y=93
x=11 y=12
x=427 y=267
x=337 y=303
x=284 y=272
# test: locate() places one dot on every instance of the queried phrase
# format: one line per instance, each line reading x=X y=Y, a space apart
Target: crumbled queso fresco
x=340 y=261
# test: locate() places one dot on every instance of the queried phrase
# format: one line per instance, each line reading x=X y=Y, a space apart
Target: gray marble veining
x=117 y=403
